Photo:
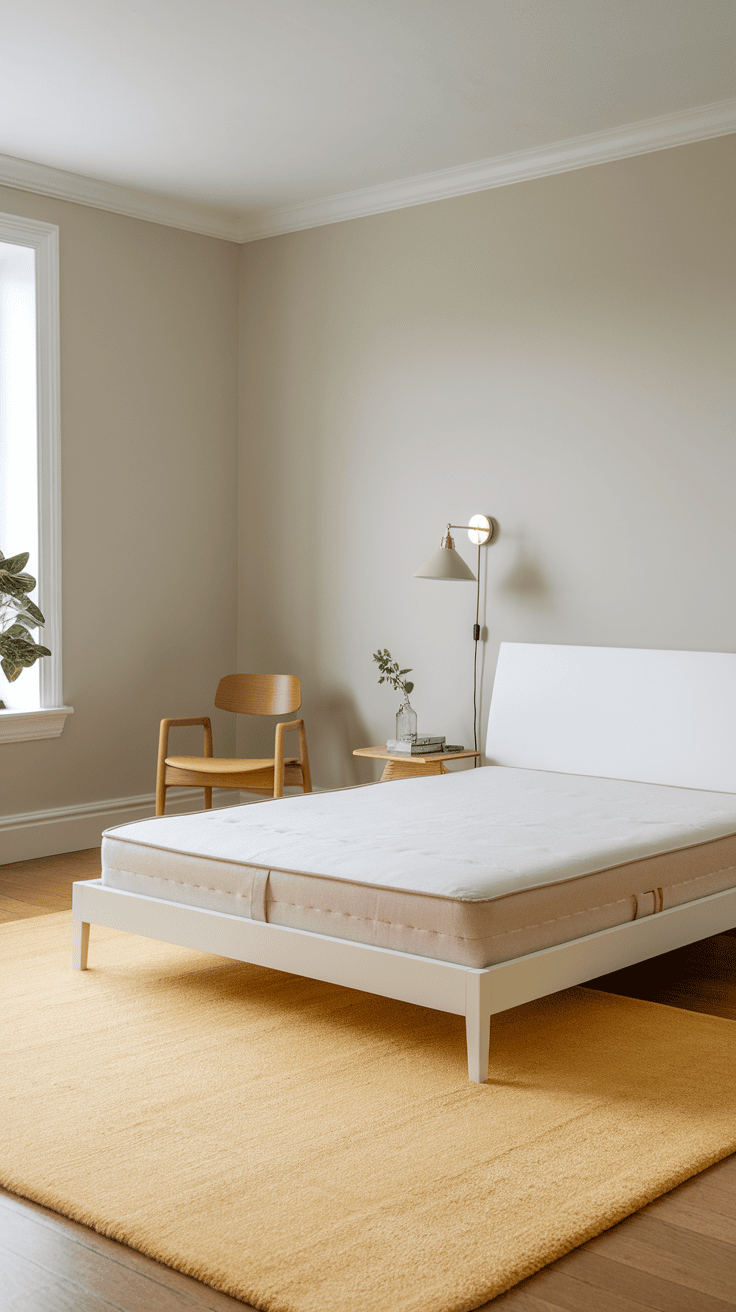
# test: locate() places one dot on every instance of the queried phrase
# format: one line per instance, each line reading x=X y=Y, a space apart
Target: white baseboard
x=71 y=828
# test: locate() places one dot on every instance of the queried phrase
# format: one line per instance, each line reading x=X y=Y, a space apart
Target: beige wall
x=559 y=354
x=149 y=457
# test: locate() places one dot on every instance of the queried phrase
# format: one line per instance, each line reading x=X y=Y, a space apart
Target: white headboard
x=663 y=717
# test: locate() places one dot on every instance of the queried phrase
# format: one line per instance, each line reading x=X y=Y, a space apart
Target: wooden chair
x=246 y=694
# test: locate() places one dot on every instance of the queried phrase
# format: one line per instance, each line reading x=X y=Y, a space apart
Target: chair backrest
x=259 y=694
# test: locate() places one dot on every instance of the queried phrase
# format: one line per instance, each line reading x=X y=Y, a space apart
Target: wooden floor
x=677 y=1255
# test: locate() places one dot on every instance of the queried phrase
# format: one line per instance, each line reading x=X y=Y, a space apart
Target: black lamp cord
x=476 y=638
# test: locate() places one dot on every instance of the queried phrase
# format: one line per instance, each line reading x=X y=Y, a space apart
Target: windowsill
x=42 y=722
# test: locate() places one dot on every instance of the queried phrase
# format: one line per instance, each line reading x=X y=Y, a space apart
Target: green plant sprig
x=17 y=648
x=390 y=672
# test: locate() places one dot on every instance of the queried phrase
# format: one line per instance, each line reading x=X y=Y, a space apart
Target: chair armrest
x=163 y=750
x=278 y=767
x=204 y=720
x=192 y=719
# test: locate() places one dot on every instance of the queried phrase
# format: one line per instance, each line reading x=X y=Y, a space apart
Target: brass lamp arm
x=480 y=530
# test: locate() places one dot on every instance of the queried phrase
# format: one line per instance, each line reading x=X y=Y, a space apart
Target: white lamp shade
x=445 y=563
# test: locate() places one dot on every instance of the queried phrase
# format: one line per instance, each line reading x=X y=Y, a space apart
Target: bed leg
x=477 y=1030
x=80 y=944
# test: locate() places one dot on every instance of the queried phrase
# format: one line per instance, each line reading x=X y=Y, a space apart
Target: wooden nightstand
x=399 y=766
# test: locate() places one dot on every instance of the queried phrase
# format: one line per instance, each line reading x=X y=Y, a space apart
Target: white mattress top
x=473 y=834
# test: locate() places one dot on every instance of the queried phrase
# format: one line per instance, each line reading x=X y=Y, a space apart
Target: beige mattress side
x=450 y=929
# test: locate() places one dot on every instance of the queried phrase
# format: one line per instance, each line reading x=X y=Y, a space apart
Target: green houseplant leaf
x=16 y=585
x=391 y=673
x=19 y=616
x=28 y=614
x=14 y=564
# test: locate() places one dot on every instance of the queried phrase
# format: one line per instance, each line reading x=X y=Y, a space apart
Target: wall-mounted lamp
x=447 y=565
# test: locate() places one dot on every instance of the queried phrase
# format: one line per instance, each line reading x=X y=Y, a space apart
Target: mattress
x=474 y=867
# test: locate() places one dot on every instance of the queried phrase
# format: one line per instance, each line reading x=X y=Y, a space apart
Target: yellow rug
x=308 y=1148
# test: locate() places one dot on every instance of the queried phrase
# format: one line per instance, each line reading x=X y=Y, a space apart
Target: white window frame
x=47 y=720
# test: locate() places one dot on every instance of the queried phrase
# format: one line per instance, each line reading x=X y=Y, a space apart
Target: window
x=29 y=459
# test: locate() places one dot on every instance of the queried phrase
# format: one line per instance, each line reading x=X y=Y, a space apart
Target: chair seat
x=266 y=776
x=224 y=765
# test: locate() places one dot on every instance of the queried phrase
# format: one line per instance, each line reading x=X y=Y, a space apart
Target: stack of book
x=425 y=745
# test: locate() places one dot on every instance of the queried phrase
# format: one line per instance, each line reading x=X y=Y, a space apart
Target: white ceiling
x=253 y=107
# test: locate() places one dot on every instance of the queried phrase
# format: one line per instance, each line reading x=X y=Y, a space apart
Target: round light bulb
x=481 y=530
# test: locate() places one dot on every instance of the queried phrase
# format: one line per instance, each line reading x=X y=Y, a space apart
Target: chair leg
x=208 y=799
x=304 y=756
x=163 y=744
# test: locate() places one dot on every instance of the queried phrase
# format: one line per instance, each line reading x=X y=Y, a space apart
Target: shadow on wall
x=526 y=582
x=334 y=727
x=526 y=578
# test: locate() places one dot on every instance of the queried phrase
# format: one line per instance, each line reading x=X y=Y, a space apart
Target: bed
x=602 y=832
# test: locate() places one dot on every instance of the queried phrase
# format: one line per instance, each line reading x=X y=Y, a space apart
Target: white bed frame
x=653 y=716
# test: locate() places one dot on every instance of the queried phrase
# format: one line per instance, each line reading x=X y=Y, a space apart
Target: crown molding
x=188 y=215
x=678 y=129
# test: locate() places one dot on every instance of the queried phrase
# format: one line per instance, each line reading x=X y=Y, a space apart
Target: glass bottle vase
x=406 y=723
